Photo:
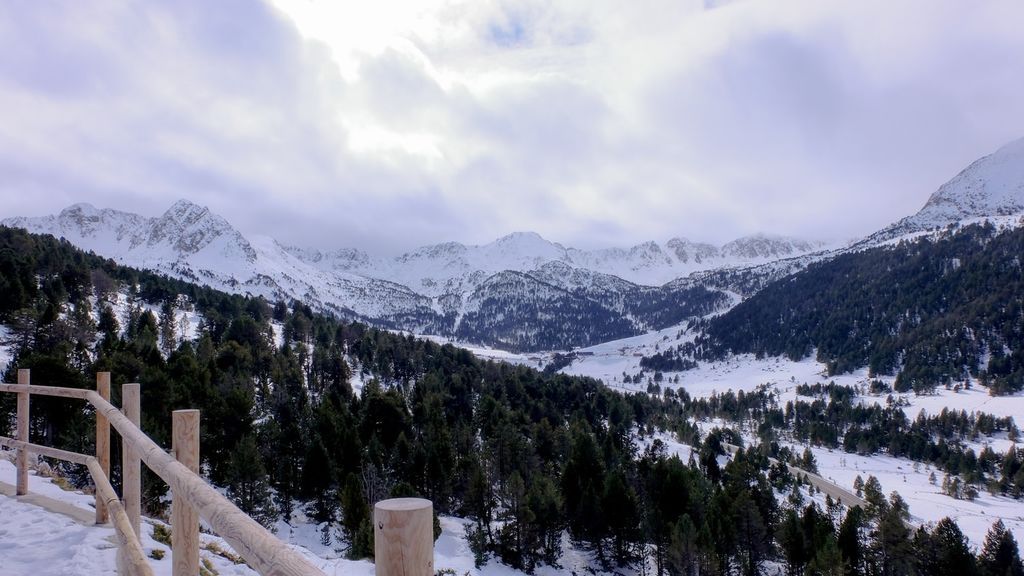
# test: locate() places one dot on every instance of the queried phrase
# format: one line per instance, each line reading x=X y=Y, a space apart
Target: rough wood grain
x=102 y=441
x=131 y=466
x=22 y=425
x=404 y=537
x=184 y=519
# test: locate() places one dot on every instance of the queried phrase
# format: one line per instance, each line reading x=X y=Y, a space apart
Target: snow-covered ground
x=5 y=351
x=534 y=360
x=912 y=480
x=927 y=502
x=610 y=360
x=36 y=541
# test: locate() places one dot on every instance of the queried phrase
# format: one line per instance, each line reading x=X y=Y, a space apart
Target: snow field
x=926 y=501
x=745 y=372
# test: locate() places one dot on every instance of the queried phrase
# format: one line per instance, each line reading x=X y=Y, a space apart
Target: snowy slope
x=991 y=187
x=611 y=360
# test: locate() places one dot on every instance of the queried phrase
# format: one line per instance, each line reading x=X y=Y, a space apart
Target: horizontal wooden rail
x=80 y=393
x=131 y=556
x=73 y=457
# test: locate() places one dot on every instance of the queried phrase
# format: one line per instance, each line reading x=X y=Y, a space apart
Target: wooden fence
x=192 y=496
x=402 y=528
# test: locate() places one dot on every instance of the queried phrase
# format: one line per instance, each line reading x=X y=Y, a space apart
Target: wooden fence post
x=102 y=442
x=184 y=518
x=24 y=377
x=131 y=465
x=403 y=530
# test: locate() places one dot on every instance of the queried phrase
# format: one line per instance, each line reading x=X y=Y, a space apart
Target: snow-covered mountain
x=992 y=187
x=437 y=269
x=520 y=291
x=990 y=190
x=189 y=241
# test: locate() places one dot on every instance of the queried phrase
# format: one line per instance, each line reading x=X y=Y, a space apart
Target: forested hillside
x=526 y=456
x=933 y=311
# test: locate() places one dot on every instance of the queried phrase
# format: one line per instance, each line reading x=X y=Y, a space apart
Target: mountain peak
x=83 y=208
x=991 y=186
x=188 y=228
x=521 y=238
x=520 y=250
x=186 y=211
x=767 y=246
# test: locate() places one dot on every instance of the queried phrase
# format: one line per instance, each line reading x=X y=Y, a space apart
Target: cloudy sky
x=593 y=122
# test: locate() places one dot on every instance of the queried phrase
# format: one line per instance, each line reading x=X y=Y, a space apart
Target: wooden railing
x=192 y=497
x=403 y=528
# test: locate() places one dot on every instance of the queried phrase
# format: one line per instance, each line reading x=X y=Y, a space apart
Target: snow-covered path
x=36 y=542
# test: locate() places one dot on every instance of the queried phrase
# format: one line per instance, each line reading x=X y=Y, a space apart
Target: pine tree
x=168 y=340
x=893 y=552
x=247 y=483
x=791 y=538
x=751 y=534
x=683 y=554
x=317 y=484
x=999 y=555
x=545 y=503
x=355 y=517
x=827 y=560
x=954 y=556
x=874 y=497
x=620 y=508
x=516 y=544
x=851 y=541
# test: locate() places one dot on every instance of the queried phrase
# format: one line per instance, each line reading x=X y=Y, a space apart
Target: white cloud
x=592 y=122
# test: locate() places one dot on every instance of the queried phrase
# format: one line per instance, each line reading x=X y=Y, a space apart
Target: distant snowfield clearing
x=926 y=501
x=5 y=351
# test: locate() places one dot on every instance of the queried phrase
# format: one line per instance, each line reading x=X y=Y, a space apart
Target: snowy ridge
x=991 y=187
x=567 y=297
x=431 y=270
x=191 y=242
